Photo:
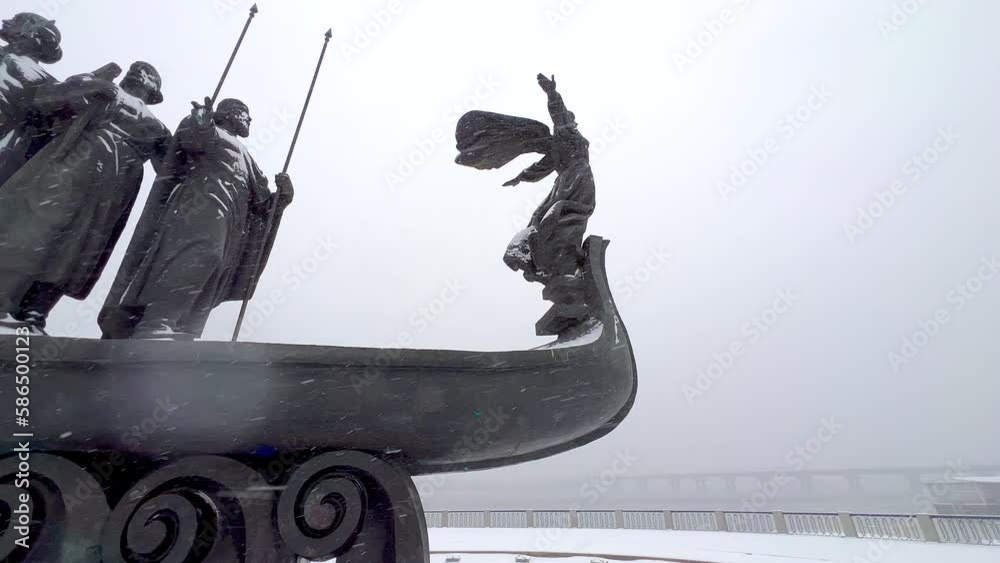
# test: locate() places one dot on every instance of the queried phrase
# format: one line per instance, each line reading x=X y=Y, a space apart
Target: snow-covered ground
x=702 y=547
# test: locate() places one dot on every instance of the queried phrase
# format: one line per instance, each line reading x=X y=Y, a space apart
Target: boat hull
x=434 y=411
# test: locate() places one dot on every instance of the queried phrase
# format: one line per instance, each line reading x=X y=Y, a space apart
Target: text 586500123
x=21 y=516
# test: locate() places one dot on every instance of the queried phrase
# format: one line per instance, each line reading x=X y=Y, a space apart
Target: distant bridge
x=976 y=530
x=866 y=482
x=897 y=489
x=851 y=476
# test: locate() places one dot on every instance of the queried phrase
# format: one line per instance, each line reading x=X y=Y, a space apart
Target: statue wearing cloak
x=550 y=249
x=551 y=244
x=63 y=211
x=201 y=234
x=32 y=40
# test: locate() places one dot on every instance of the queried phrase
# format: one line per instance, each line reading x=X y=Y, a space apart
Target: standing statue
x=31 y=41
x=203 y=231
x=549 y=250
x=63 y=211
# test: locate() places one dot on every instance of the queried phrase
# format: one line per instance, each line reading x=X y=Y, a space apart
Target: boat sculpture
x=153 y=451
x=142 y=447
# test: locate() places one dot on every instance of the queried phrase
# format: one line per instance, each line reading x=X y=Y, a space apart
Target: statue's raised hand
x=203 y=111
x=102 y=90
x=547 y=84
x=86 y=90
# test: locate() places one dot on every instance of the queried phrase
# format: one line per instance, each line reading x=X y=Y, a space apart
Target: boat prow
x=434 y=411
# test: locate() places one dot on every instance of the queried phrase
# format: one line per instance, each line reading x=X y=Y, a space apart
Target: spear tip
x=329 y=34
x=253 y=9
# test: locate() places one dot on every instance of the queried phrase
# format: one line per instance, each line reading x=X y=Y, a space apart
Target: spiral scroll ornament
x=205 y=508
x=65 y=510
x=353 y=506
x=322 y=508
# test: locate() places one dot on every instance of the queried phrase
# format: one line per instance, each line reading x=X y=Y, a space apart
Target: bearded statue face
x=234 y=116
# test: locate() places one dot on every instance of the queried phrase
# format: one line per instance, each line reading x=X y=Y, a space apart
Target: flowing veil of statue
x=489 y=140
x=549 y=250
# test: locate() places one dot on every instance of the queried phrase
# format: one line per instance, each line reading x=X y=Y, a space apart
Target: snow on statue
x=202 y=232
x=549 y=250
x=63 y=211
x=31 y=41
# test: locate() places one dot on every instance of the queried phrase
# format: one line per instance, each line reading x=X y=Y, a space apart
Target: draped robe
x=62 y=213
x=20 y=77
x=199 y=238
x=551 y=244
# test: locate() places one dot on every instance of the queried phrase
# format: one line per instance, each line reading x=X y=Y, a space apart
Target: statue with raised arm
x=549 y=250
x=31 y=42
x=201 y=234
x=62 y=213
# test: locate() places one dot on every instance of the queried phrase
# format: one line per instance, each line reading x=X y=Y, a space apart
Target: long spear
x=288 y=161
x=229 y=65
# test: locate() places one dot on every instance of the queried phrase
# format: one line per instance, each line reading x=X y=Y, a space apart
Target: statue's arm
x=161 y=146
x=76 y=94
x=272 y=208
x=264 y=200
x=285 y=194
x=557 y=107
x=535 y=172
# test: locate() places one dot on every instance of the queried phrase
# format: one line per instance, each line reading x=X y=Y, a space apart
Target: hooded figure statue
x=31 y=41
x=62 y=213
x=551 y=245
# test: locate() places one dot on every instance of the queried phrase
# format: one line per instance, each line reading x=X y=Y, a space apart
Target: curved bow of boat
x=580 y=388
x=432 y=410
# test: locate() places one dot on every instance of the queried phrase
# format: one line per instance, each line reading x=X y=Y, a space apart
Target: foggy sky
x=693 y=262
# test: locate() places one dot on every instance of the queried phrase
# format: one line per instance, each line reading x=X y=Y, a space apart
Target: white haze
x=678 y=132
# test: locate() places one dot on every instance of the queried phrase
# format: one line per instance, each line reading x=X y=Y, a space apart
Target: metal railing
x=814 y=524
x=976 y=530
x=968 y=529
x=888 y=526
